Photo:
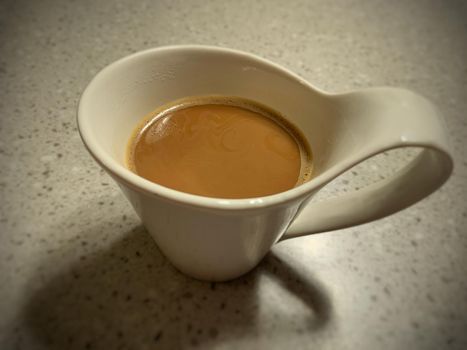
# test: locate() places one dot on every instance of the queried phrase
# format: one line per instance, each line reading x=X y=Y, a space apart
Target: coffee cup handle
x=395 y=118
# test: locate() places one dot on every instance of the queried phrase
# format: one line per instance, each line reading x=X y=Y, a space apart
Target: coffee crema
x=218 y=146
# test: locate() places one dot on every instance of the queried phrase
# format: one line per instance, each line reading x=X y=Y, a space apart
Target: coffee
x=223 y=147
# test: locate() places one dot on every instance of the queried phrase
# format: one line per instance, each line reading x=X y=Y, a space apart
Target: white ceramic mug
x=220 y=239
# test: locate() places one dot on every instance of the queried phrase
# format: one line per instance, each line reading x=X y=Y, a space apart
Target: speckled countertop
x=78 y=271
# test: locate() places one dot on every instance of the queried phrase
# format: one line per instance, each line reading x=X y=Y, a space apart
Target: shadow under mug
x=220 y=239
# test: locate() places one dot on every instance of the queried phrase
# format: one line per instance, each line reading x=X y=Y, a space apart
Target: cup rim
x=141 y=184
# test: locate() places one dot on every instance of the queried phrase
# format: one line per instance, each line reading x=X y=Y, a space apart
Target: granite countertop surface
x=78 y=270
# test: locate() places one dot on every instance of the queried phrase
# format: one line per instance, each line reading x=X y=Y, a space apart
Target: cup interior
x=123 y=93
